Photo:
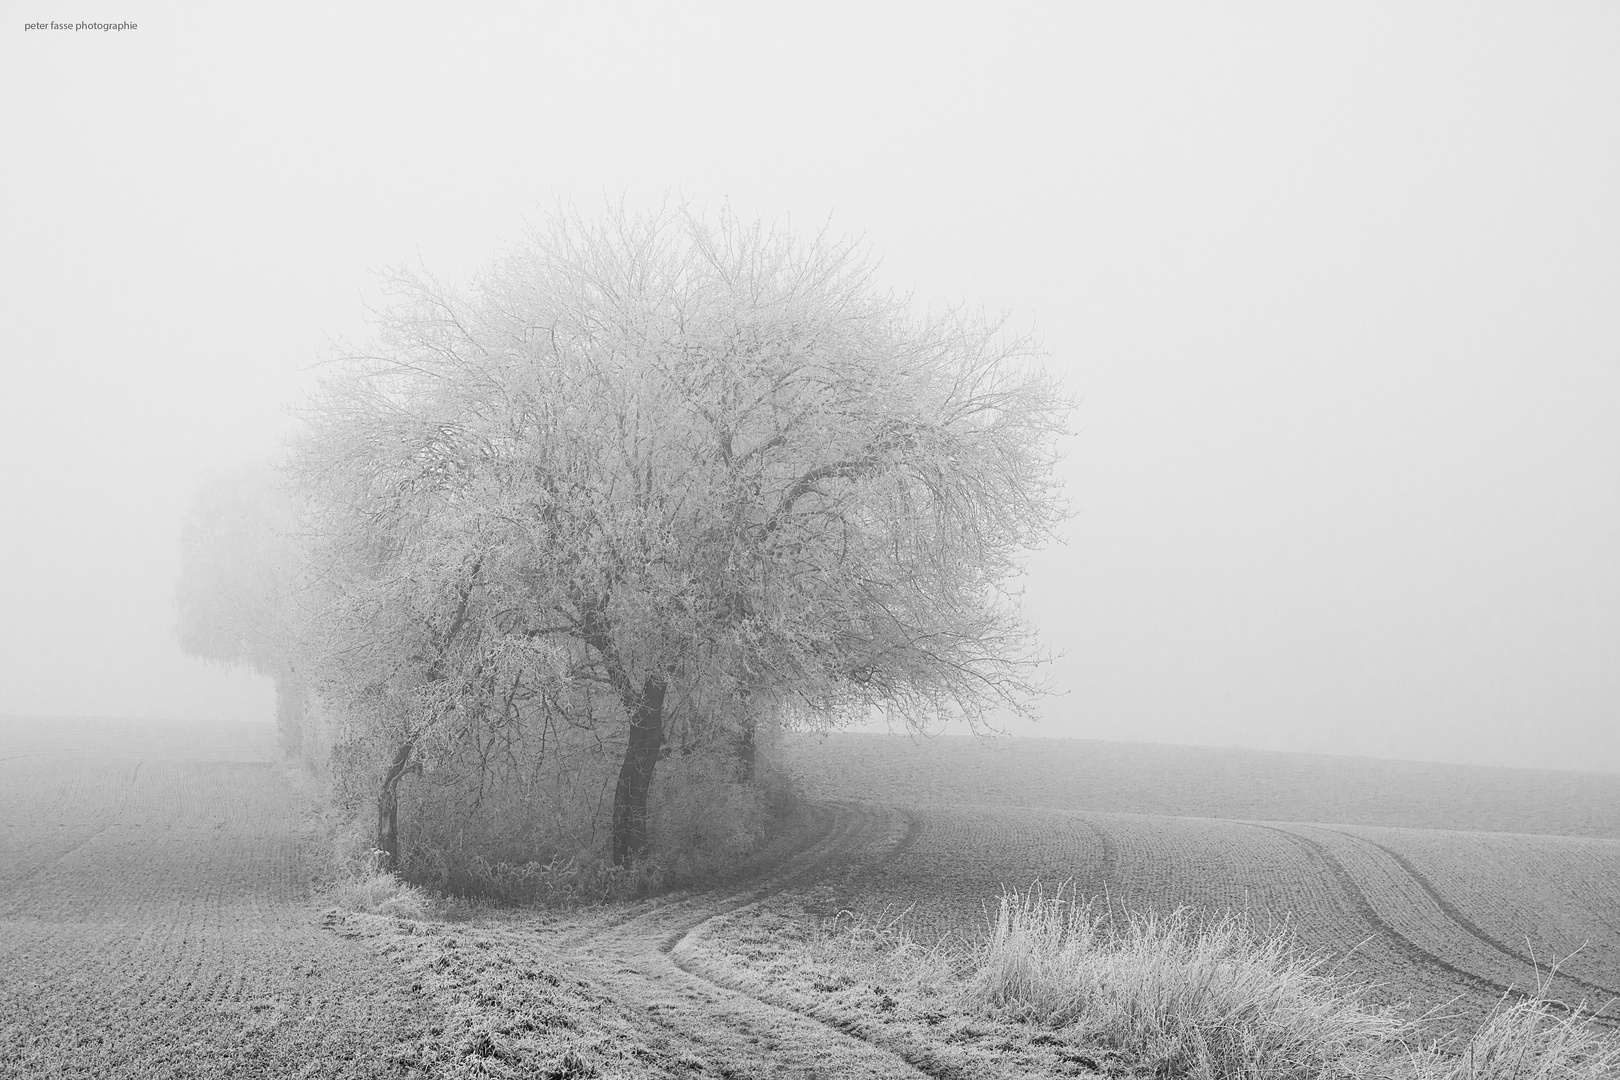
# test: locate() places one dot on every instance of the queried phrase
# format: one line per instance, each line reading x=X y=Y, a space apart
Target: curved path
x=646 y=963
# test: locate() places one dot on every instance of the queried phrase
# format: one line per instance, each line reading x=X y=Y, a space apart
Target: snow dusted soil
x=161 y=915
x=1396 y=887
x=157 y=916
x=624 y=992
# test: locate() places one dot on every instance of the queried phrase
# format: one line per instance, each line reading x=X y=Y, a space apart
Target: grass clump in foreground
x=367 y=887
x=1182 y=996
x=1213 y=999
x=1527 y=1040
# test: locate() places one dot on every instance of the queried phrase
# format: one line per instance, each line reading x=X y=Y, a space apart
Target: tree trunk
x=388 y=810
x=635 y=775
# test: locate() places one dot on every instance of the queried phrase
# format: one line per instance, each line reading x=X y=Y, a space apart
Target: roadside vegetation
x=1186 y=996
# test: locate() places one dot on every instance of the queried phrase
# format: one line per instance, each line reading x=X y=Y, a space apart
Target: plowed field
x=159 y=917
x=156 y=918
x=1209 y=782
x=1556 y=899
x=1448 y=918
x=1508 y=908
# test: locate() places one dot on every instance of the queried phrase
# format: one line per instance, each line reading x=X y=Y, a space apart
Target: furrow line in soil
x=57 y=859
x=1414 y=951
x=1466 y=924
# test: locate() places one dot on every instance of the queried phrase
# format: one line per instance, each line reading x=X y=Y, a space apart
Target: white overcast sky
x=1337 y=288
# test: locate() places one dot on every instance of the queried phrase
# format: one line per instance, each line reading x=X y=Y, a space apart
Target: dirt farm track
x=162 y=912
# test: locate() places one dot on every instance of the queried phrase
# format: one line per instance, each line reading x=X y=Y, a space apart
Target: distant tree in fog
x=242 y=585
x=677 y=474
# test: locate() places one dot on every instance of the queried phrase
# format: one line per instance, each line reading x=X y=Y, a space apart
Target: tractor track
x=640 y=961
x=1473 y=929
x=1415 y=952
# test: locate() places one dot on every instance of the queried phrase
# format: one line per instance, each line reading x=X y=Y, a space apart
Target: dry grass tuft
x=368 y=888
x=1202 y=998
x=887 y=940
x=1531 y=1039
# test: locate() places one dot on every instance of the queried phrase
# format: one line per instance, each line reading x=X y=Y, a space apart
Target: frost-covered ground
x=157 y=916
x=163 y=914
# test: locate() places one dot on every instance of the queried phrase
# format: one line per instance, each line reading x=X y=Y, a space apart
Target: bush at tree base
x=530 y=825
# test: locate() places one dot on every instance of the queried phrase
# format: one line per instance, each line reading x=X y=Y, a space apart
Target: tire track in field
x=645 y=963
x=650 y=964
x=1470 y=927
x=56 y=859
x=822 y=832
x=915 y=827
x=1364 y=907
x=921 y=1058
x=1108 y=870
x=1357 y=896
x=61 y=854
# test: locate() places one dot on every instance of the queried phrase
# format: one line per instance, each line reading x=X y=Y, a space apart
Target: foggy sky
x=1338 y=293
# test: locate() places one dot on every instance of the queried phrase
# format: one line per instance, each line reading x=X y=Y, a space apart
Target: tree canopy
x=670 y=474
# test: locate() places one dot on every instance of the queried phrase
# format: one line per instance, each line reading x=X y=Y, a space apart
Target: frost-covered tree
x=676 y=473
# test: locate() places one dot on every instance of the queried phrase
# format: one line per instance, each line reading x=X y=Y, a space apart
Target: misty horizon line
x=917 y=738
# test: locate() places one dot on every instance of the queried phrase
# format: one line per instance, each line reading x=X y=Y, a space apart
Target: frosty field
x=1363 y=860
x=156 y=916
x=162 y=910
x=160 y=917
